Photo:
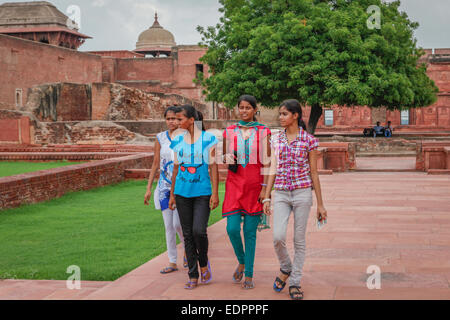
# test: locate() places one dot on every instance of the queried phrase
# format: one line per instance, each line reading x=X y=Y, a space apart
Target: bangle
x=264 y=185
x=266 y=200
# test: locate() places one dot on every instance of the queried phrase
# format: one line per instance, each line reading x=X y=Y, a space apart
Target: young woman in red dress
x=246 y=144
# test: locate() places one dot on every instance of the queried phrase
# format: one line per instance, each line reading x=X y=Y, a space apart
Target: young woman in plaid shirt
x=293 y=173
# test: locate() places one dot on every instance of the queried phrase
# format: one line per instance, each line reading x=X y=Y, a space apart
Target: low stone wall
x=76 y=148
x=49 y=184
x=447 y=155
x=433 y=155
x=15 y=127
x=338 y=156
x=59 y=156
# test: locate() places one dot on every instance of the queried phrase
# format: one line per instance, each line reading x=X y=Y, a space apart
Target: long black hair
x=191 y=112
x=174 y=109
x=293 y=106
x=250 y=99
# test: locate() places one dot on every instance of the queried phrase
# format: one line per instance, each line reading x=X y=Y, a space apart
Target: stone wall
x=60 y=102
x=86 y=132
x=27 y=63
x=46 y=185
x=16 y=127
x=101 y=101
x=433 y=155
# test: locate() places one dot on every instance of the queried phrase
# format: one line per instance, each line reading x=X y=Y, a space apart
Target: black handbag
x=234 y=167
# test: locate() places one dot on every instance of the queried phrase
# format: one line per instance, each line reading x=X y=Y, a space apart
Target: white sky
x=116 y=24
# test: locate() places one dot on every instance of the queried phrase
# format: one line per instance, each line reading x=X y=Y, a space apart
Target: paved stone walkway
x=384 y=164
x=397 y=221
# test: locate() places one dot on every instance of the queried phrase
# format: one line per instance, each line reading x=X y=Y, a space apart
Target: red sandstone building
x=157 y=64
x=37 y=48
x=40 y=21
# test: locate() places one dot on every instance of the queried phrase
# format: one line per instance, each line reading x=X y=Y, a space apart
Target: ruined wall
x=86 y=132
x=100 y=101
x=24 y=64
x=60 y=102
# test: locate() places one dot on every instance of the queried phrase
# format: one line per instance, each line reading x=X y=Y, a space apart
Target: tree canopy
x=319 y=52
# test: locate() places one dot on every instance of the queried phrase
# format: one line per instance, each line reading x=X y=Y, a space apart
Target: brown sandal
x=191 y=285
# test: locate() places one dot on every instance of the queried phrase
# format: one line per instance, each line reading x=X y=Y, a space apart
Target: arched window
x=18 y=98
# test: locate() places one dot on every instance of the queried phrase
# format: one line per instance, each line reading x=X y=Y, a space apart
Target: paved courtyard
x=397 y=221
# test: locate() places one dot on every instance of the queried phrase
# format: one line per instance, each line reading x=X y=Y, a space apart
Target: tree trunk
x=316 y=113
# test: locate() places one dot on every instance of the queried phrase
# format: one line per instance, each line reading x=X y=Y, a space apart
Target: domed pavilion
x=155 y=41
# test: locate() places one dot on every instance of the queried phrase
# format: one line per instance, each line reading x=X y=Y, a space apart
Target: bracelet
x=266 y=200
x=264 y=185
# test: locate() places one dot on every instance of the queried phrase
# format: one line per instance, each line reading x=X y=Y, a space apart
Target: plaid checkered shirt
x=293 y=170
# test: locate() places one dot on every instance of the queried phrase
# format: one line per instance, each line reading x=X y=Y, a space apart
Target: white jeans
x=173 y=226
x=299 y=201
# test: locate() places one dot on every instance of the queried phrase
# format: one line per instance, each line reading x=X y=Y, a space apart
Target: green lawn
x=12 y=168
x=107 y=232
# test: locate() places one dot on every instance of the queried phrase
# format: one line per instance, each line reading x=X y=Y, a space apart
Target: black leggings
x=194 y=216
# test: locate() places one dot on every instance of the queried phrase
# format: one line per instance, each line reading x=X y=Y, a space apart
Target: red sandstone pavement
x=386 y=163
x=397 y=221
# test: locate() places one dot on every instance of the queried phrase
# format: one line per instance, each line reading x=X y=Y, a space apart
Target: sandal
x=239 y=277
x=191 y=285
x=247 y=285
x=185 y=262
x=278 y=281
x=295 y=293
x=168 y=270
x=204 y=274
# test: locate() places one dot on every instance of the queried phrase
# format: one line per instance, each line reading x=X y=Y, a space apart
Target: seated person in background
x=388 y=130
x=378 y=130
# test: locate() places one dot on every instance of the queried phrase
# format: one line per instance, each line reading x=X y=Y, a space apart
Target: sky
x=116 y=24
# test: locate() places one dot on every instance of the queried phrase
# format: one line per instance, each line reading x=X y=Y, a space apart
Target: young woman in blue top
x=163 y=160
x=194 y=168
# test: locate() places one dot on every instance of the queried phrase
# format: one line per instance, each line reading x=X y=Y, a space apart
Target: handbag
x=234 y=167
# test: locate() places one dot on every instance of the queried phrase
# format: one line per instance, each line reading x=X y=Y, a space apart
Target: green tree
x=320 y=52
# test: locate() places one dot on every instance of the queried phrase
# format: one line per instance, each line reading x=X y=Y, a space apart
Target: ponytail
x=200 y=118
x=302 y=124
x=191 y=112
x=293 y=106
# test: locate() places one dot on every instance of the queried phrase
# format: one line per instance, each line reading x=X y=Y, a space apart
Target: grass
x=107 y=232
x=12 y=168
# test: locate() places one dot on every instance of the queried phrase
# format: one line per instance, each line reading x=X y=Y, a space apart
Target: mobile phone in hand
x=321 y=224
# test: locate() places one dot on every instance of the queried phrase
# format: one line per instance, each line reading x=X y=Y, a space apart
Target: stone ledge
x=45 y=185
x=439 y=172
x=51 y=156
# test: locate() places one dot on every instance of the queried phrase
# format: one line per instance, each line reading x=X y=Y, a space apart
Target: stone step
x=397 y=154
x=58 y=156
x=384 y=170
x=439 y=172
